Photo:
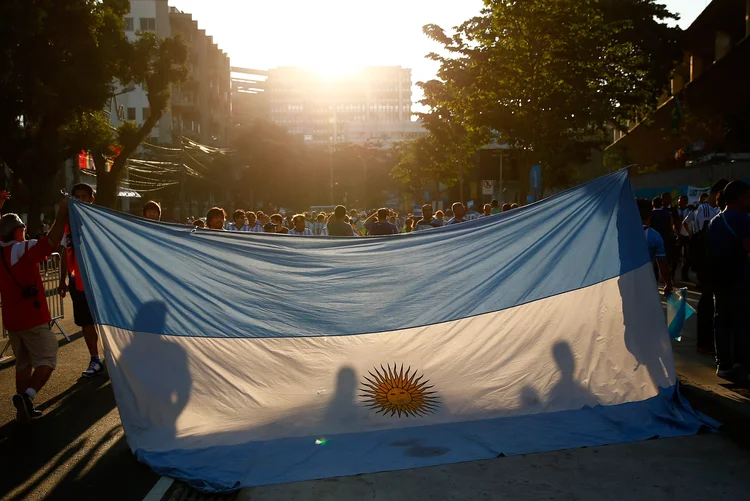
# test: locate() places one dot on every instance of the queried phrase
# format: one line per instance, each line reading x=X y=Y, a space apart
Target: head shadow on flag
x=152 y=376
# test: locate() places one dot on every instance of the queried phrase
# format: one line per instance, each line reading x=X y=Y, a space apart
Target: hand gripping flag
x=247 y=359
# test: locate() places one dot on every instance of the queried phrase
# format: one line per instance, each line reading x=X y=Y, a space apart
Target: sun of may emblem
x=398 y=392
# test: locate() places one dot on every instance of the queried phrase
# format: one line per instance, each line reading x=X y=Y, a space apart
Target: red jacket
x=22 y=259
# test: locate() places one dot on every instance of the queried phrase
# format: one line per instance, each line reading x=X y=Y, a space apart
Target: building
x=131 y=103
x=249 y=99
x=372 y=104
x=201 y=106
x=706 y=116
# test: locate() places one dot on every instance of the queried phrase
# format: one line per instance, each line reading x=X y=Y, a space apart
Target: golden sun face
x=398 y=392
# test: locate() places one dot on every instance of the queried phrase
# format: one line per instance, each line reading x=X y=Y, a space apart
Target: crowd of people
x=712 y=239
x=340 y=222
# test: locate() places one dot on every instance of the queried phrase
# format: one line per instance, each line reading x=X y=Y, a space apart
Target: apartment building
x=372 y=104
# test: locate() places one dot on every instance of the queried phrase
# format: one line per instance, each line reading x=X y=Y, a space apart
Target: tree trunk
x=106 y=191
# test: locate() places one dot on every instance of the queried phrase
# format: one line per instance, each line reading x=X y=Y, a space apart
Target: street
x=77 y=450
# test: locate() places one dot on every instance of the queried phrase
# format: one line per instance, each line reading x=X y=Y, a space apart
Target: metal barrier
x=50 y=272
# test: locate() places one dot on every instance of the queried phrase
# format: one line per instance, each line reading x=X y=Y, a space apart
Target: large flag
x=242 y=359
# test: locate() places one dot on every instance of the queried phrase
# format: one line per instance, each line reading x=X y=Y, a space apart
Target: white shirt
x=258 y=228
x=305 y=233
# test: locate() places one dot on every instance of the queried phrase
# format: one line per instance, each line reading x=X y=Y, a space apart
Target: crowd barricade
x=50 y=272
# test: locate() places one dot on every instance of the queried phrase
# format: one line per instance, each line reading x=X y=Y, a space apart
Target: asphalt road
x=77 y=451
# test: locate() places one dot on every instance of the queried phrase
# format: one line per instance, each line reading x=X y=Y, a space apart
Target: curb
x=731 y=409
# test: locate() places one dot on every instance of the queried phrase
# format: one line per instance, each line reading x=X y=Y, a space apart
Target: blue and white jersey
x=233 y=227
x=704 y=214
x=257 y=228
x=305 y=233
x=319 y=228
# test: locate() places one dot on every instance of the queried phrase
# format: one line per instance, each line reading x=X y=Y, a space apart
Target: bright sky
x=337 y=34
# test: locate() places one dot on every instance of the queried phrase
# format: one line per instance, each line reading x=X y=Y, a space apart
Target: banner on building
x=694 y=193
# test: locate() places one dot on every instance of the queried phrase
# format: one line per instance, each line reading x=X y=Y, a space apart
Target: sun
x=398 y=392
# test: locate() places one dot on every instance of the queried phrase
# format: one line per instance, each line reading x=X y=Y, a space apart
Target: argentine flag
x=244 y=359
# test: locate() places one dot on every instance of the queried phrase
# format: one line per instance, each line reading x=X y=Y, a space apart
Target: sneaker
x=22 y=411
x=95 y=368
x=25 y=410
x=724 y=373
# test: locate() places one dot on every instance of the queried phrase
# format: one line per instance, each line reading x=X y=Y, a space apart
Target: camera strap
x=7 y=268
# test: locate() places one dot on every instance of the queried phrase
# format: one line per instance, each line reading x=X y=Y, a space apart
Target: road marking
x=157 y=491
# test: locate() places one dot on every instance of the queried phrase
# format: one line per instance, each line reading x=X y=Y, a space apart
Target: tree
x=421 y=164
x=58 y=60
x=155 y=64
x=549 y=75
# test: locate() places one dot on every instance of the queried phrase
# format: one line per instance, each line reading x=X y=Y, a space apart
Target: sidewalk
x=718 y=398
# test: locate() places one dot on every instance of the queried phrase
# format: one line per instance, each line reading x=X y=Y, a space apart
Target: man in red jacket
x=25 y=311
x=70 y=270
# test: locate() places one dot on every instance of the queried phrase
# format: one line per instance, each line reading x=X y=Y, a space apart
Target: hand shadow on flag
x=156 y=372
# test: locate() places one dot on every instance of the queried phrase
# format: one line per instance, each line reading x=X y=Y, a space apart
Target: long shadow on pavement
x=33 y=448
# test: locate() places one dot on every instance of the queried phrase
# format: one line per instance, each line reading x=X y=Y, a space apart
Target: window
x=146 y=113
x=148 y=24
x=128 y=24
x=131 y=113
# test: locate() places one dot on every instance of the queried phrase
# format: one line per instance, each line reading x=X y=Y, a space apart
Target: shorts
x=34 y=347
x=81 y=311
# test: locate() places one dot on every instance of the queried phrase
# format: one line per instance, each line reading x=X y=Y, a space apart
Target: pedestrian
x=253 y=223
x=699 y=250
x=152 y=210
x=728 y=243
x=337 y=225
x=215 y=218
x=427 y=221
x=471 y=214
x=25 y=312
x=459 y=211
x=408 y=225
x=507 y=207
x=513 y=206
x=319 y=228
x=239 y=223
x=70 y=270
x=663 y=222
x=357 y=221
x=487 y=210
x=381 y=226
x=683 y=237
x=278 y=222
x=269 y=228
x=495 y=208
x=655 y=244
x=300 y=229
x=199 y=223
x=440 y=216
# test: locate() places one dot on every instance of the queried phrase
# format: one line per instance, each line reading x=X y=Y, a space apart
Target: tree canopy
x=550 y=76
x=58 y=60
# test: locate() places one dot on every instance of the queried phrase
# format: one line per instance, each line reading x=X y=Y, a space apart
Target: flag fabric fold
x=250 y=359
